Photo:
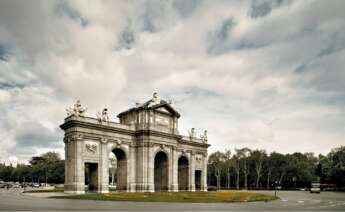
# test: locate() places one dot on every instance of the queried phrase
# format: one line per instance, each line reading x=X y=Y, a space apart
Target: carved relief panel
x=91 y=148
x=198 y=161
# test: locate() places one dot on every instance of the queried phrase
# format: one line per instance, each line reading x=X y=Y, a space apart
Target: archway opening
x=161 y=172
x=91 y=176
x=118 y=170
x=183 y=176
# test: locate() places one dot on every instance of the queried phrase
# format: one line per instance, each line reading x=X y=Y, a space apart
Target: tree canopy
x=247 y=168
x=47 y=167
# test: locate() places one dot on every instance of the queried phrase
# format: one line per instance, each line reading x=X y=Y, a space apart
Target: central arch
x=121 y=169
x=183 y=176
x=161 y=172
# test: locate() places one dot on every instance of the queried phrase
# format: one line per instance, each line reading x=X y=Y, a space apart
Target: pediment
x=163 y=109
x=166 y=109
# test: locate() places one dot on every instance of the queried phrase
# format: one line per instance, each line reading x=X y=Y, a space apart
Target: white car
x=16 y=185
x=315 y=187
x=314 y=190
x=35 y=185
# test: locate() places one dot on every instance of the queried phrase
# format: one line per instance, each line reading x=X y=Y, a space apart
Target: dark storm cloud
x=10 y=85
x=261 y=8
x=186 y=8
x=63 y=8
x=4 y=53
x=126 y=40
x=220 y=38
x=34 y=134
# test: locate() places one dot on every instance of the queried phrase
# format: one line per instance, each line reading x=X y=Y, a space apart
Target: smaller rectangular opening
x=197 y=180
x=91 y=177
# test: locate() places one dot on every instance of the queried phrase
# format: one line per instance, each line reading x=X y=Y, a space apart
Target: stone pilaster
x=174 y=185
x=192 y=172
x=150 y=169
x=132 y=170
x=75 y=173
x=103 y=168
x=204 y=174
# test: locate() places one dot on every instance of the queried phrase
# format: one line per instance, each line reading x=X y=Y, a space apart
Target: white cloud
x=273 y=81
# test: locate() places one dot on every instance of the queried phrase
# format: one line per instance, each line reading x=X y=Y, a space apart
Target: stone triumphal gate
x=151 y=155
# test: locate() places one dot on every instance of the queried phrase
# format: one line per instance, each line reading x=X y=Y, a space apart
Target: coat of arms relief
x=91 y=147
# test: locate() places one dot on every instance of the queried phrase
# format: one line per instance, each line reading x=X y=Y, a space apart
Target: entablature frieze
x=149 y=133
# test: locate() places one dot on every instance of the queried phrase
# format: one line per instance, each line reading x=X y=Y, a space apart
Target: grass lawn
x=228 y=196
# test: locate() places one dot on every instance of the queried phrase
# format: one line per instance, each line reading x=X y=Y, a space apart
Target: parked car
x=16 y=185
x=35 y=185
x=315 y=187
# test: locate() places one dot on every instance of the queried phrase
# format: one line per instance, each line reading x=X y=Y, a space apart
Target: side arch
x=161 y=171
x=183 y=173
x=121 y=168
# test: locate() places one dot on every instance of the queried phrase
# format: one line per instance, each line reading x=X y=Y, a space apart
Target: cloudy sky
x=256 y=73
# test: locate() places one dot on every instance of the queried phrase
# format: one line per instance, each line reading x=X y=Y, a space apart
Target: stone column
x=132 y=166
x=150 y=168
x=103 y=171
x=204 y=173
x=170 y=168
x=192 y=172
x=144 y=167
x=140 y=171
x=80 y=169
x=174 y=185
x=67 y=163
x=75 y=166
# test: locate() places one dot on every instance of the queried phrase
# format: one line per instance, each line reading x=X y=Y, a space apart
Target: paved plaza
x=14 y=200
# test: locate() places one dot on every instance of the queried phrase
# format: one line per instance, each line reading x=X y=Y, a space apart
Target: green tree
x=48 y=167
x=279 y=165
x=216 y=161
x=243 y=155
x=258 y=157
x=337 y=172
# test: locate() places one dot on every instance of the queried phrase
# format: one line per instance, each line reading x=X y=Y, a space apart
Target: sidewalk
x=46 y=194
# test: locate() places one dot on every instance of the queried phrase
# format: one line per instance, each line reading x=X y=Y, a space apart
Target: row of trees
x=246 y=168
x=47 y=168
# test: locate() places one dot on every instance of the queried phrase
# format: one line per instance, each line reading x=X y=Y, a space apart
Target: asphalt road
x=13 y=200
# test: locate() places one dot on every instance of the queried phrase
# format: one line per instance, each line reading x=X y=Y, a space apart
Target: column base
x=204 y=188
x=174 y=188
x=104 y=189
x=132 y=187
x=192 y=188
x=145 y=187
x=75 y=188
x=74 y=192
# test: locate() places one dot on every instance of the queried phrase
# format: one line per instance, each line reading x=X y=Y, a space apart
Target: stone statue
x=104 y=116
x=156 y=99
x=204 y=137
x=192 y=133
x=77 y=109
